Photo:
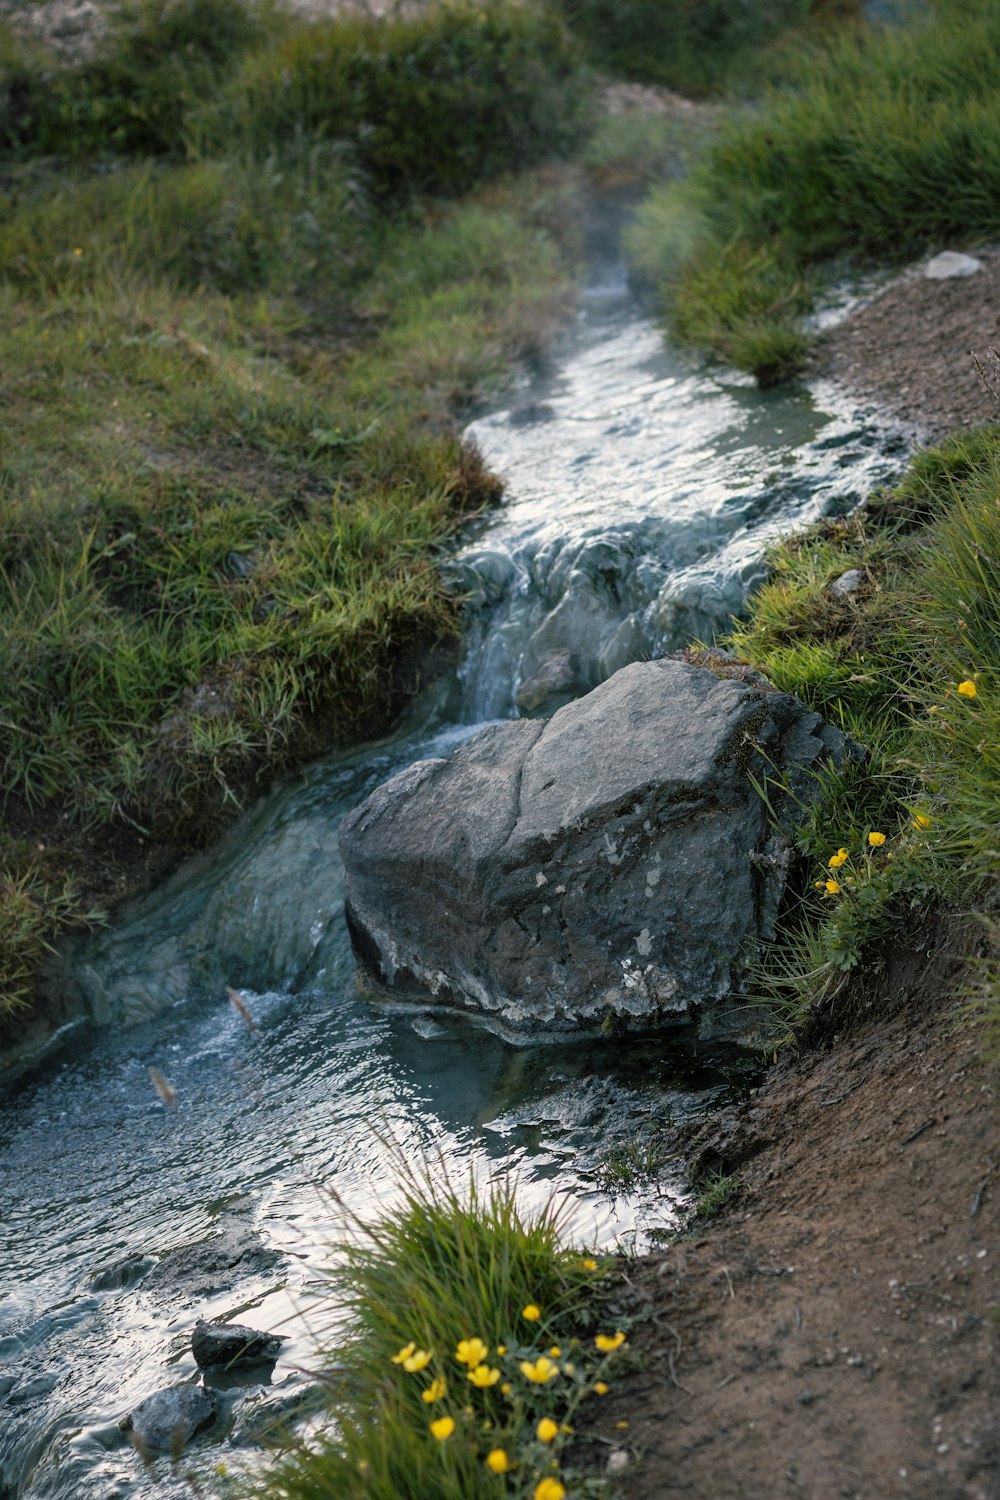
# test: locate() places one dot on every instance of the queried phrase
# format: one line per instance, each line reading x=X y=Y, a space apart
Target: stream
x=643 y=485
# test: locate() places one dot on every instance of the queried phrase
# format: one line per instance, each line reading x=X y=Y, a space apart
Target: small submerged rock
x=209 y=1268
x=229 y=1344
x=168 y=1419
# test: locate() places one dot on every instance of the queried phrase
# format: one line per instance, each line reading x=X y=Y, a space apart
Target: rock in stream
x=613 y=861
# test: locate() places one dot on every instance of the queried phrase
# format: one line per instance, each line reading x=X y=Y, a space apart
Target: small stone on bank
x=951 y=263
x=847 y=583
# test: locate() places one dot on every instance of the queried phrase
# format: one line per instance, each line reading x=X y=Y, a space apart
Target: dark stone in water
x=212 y=1267
x=611 y=864
x=168 y=1419
x=559 y=675
x=229 y=1344
x=121 y=1273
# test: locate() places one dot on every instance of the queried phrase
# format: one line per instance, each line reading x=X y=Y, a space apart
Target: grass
x=232 y=388
x=474 y=1346
x=696 y=48
x=633 y=1164
x=908 y=665
x=878 y=146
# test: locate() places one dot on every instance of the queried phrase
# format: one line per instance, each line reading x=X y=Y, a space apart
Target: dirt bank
x=911 y=347
x=833 y=1332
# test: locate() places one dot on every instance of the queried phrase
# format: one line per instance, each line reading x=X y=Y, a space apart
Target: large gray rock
x=612 y=862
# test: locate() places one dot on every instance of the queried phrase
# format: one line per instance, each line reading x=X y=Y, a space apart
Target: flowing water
x=642 y=488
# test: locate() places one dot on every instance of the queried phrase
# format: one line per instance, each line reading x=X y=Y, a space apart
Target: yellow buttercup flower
x=621 y=1426
x=506 y=1388
x=403 y=1354
x=501 y=1349
x=922 y=821
x=434 y=1391
x=541 y=1372
x=483 y=1376
x=418 y=1360
x=549 y=1489
x=876 y=840
x=588 y=1265
x=531 y=1312
x=498 y=1461
x=443 y=1428
x=601 y=1388
x=547 y=1429
x=836 y=860
x=471 y=1352
x=609 y=1342
x=555 y=1351
x=967 y=688
x=832 y=887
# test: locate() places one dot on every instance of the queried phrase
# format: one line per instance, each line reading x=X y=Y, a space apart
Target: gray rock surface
x=213 y=1266
x=610 y=863
x=229 y=1344
x=168 y=1419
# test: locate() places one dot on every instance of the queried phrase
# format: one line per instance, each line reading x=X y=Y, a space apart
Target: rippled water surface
x=642 y=487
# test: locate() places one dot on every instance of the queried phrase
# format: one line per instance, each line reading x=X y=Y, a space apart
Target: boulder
x=229 y=1344
x=168 y=1419
x=610 y=864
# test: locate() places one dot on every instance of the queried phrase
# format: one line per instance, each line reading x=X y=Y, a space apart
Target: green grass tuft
x=878 y=145
x=450 y=1266
x=908 y=664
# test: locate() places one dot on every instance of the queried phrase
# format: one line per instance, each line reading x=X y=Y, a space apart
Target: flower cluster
x=526 y=1396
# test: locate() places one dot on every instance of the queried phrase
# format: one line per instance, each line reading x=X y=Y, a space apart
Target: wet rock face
x=168 y=1419
x=226 y=1345
x=613 y=860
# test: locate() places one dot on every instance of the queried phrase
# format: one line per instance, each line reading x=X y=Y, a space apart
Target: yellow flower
x=498 y=1461
x=555 y=1351
x=588 y=1265
x=549 y=1489
x=569 y=1369
x=403 y=1354
x=443 y=1428
x=434 y=1391
x=921 y=821
x=419 y=1360
x=505 y=1389
x=609 y=1342
x=876 y=840
x=836 y=860
x=967 y=688
x=601 y=1388
x=501 y=1349
x=621 y=1426
x=547 y=1429
x=483 y=1376
x=531 y=1313
x=471 y=1352
x=541 y=1372
x=77 y=250
x=832 y=887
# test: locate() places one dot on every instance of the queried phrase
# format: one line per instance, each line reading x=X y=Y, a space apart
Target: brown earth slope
x=833 y=1333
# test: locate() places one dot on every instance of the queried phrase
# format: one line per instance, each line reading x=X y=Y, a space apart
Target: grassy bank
x=879 y=145
x=237 y=343
x=909 y=664
x=478 y=1341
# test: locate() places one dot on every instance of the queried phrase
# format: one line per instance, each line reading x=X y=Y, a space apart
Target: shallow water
x=642 y=487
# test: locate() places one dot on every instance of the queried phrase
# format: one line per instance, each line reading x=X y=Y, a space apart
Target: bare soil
x=833 y=1332
x=911 y=347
